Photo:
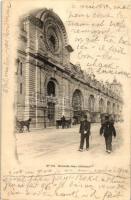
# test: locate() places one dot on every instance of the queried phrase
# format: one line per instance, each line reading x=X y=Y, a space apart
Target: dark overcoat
x=85 y=126
x=108 y=129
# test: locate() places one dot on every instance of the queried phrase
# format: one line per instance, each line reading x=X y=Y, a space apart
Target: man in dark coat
x=63 y=120
x=85 y=133
x=108 y=130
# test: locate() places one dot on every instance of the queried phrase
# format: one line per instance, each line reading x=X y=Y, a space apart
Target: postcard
x=66 y=100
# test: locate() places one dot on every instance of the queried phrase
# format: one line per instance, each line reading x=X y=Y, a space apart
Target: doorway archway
x=77 y=105
x=51 y=93
x=91 y=103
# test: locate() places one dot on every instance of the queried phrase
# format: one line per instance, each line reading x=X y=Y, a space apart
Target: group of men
x=65 y=123
x=107 y=130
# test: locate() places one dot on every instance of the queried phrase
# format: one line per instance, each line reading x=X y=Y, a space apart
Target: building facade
x=48 y=84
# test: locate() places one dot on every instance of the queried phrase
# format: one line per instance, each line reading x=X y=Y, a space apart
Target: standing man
x=108 y=130
x=63 y=120
x=85 y=133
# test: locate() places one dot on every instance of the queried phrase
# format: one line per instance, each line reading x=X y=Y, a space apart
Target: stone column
x=30 y=71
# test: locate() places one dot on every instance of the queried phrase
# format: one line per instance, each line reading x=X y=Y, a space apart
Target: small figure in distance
x=85 y=133
x=108 y=130
x=63 y=120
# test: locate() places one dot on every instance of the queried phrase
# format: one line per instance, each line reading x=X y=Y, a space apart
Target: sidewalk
x=63 y=144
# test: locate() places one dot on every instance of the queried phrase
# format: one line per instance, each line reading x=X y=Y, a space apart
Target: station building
x=49 y=85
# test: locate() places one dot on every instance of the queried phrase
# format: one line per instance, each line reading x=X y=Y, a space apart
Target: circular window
x=53 y=38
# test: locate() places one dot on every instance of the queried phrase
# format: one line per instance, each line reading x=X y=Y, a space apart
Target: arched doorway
x=91 y=105
x=101 y=109
x=77 y=105
x=51 y=93
x=51 y=88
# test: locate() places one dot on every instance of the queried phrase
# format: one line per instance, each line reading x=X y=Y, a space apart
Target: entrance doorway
x=51 y=114
x=91 y=104
x=51 y=93
x=77 y=105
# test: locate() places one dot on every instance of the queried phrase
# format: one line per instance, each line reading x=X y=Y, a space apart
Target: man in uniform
x=85 y=133
x=108 y=130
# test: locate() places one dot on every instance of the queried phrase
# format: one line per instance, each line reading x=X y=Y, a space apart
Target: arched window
x=108 y=107
x=77 y=105
x=77 y=100
x=91 y=103
x=51 y=88
x=101 y=105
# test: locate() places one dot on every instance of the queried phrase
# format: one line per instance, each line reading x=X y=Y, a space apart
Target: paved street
x=62 y=145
